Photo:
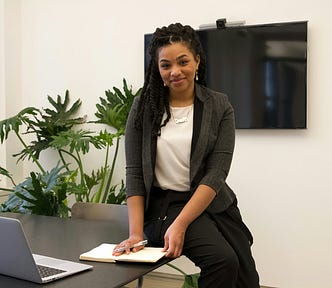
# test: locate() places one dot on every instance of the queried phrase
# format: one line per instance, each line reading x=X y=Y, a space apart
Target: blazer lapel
x=201 y=131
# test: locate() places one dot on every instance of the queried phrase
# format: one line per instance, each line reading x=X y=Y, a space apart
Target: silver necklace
x=182 y=119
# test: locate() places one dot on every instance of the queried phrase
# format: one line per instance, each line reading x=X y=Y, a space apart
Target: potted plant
x=45 y=192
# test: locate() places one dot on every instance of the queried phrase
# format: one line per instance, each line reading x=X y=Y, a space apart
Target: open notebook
x=16 y=259
x=103 y=253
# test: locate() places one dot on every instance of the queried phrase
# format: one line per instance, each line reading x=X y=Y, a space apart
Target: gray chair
x=101 y=211
x=104 y=212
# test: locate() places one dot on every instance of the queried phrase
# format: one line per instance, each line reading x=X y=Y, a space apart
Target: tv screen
x=262 y=69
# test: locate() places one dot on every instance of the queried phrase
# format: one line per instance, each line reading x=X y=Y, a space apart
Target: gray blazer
x=211 y=153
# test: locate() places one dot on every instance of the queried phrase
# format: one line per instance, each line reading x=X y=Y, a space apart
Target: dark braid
x=154 y=94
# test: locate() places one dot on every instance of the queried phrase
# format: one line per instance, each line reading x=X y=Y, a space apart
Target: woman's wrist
x=181 y=222
x=136 y=235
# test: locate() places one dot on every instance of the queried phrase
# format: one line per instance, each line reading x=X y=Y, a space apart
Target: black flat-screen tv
x=262 y=69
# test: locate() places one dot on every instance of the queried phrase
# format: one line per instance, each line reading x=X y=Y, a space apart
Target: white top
x=173 y=150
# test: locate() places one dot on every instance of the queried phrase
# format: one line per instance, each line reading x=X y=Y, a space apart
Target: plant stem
x=10 y=177
x=97 y=196
x=30 y=153
x=7 y=189
x=176 y=268
x=63 y=160
x=112 y=170
x=79 y=164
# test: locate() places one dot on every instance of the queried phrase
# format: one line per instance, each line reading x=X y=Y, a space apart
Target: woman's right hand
x=136 y=215
x=126 y=244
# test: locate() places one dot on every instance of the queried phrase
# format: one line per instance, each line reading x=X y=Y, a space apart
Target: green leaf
x=14 y=123
x=43 y=194
x=44 y=125
x=114 y=110
x=107 y=137
x=76 y=140
x=62 y=115
x=94 y=179
x=191 y=281
x=15 y=204
x=80 y=191
x=4 y=172
x=117 y=197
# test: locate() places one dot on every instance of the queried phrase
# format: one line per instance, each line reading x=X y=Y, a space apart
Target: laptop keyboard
x=45 y=271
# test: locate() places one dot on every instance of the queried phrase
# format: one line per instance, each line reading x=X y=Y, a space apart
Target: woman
x=179 y=146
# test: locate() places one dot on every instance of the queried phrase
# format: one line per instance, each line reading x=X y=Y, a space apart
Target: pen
x=121 y=249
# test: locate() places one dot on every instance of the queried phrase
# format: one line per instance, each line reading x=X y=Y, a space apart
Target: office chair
x=104 y=212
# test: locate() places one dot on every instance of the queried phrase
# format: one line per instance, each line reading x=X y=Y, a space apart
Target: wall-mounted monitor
x=262 y=69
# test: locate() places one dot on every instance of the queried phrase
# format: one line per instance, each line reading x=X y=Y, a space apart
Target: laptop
x=17 y=260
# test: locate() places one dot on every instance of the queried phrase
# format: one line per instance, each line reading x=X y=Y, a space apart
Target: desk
x=67 y=239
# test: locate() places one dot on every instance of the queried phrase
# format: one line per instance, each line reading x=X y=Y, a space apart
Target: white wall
x=3 y=181
x=282 y=178
x=11 y=84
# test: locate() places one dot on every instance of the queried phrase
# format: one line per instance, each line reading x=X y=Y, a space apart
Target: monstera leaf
x=114 y=110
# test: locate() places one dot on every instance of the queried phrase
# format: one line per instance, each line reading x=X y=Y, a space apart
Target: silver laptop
x=16 y=259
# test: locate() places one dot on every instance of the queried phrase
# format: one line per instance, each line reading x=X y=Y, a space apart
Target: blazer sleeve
x=220 y=157
x=219 y=152
x=133 y=151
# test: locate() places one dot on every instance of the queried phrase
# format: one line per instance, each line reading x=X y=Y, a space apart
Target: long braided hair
x=154 y=94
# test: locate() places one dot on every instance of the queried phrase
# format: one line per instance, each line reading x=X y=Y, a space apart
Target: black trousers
x=219 y=244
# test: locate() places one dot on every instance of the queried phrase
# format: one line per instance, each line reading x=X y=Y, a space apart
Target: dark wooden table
x=67 y=239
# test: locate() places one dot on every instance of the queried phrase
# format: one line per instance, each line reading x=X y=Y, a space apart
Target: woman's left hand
x=174 y=239
x=174 y=236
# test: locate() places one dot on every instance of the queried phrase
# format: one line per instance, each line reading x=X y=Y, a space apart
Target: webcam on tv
x=221 y=23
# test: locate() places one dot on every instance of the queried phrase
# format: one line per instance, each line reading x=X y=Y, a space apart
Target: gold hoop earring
x=196 y=75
